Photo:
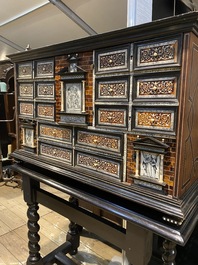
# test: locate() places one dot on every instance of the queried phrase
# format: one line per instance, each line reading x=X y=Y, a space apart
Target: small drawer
x=109 y=116
x=112 y=89
x=109 y=143
x=45 y=90
x=44 y=68
x=25 y=70
x=114 y=59
x=153 y=88
x=26 y=90
x=101 y=165
x=45 y=111
x=158 y=53
x=26 y=109
x=158 y=119
x=57 y=133
x=55 y=152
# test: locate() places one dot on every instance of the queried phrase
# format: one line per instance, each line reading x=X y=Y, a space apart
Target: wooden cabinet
x=135 y=127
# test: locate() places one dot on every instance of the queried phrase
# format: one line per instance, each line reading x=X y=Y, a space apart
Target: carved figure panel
x=73 y=98
x=150 y=165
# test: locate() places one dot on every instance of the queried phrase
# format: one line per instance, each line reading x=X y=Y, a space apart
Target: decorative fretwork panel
x=55 y=152
x=157 y=88
x=164 y=52
x=105 y=166
x=155 y=119
x=112 y=89
x=101 y=141
x=113 y=117
x=56 y=133
x=45 y=111
x=25 y=70
x=45 y=90
x=26 y=90
x=112 y=60
x=26 y=109
x=44 y=68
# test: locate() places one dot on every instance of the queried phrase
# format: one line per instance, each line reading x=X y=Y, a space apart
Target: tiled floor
x=53 y=229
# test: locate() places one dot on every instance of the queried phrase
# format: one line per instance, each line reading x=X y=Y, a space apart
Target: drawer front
x=155 y=119
x=26 y=90
x=44 y=68
x=45 y=111
x=55 y=132
x=55 y=152
x=112 y=60
x=165 y=87
x=45 y=90
x=101 y=165
x=112 y=89
x=112 y=117
x=99 y=141
x=24 y=70
x=26 y=109
x=158 y=53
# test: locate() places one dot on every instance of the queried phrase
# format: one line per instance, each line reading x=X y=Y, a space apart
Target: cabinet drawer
x=152 y=88
x=26 y=109
x=45 y=111
x=101 y=165
x=55 y=152
x=116 y=117
x=25 y=70
x=113 y=59
x=112 y=89
x=44 y=68
x=158 y=53
x=26 y=90
x=112 y=143
x=45 y=90
x=160 y=119
x=58 y=133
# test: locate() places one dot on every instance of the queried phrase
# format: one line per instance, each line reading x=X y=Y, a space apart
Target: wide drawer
x=100 y=141
x=162 y=52
x=55 y=152
x=110 y=168
x=57 y=133
x=157 y=119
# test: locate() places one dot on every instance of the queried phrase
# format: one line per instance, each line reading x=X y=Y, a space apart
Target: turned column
x=169 y=253
x=73 y=235
x=33 y=236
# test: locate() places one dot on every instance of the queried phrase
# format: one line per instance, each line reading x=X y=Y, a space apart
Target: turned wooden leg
x=73 y=235
x=33 y=236
x=169 y=253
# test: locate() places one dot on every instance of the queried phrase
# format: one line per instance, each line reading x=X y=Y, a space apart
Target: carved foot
x=33 y=236
x=169 y=253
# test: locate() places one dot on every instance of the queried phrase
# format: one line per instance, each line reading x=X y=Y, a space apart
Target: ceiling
x=40 y=23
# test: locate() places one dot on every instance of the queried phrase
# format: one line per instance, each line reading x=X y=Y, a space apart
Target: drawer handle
x=24 y=71
x=152 y=120
x=54 y=152
x=54 y=132
x=155 y=54
x=95 y=141
x=96 y=164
